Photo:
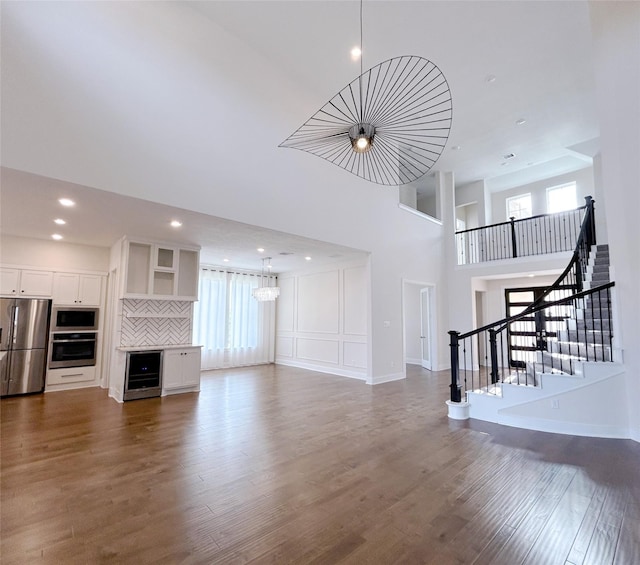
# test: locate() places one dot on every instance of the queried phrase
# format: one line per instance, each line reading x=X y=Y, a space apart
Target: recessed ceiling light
x=60 y=221
x=531 y=276
x=307 y=258
x=521 y=121
x=226 y=260
x=175 y=223
x=491 y=78
x=356 y=52
x=56 y=236
x=66 y=202
x=260 y=249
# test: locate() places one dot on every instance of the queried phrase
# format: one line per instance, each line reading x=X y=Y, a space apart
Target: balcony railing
x=537 y=235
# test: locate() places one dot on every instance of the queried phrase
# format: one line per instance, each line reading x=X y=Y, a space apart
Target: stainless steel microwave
x=65 y=319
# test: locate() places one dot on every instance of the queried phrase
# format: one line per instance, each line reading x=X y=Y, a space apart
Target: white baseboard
x=378 y=380
x=116 y=395
x=338 y=371
x=559 y=427
x=70 y=386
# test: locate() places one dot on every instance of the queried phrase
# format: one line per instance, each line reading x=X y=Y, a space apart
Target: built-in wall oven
x=65 y=319
x=72 y=349
x=74 y=337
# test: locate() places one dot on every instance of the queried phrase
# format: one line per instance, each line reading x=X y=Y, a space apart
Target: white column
x=616 y=39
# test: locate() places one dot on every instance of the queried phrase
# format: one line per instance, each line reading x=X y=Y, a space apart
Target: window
x=232 y=326
x=561 y=198
x=519 y=207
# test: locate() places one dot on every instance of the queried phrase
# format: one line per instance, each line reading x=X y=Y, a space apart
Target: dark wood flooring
x=280 y=465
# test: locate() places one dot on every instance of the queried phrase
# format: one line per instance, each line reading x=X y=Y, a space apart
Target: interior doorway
x=425 y=328
x=419 y=324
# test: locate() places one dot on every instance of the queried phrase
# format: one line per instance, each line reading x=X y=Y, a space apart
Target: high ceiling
x=505 y=62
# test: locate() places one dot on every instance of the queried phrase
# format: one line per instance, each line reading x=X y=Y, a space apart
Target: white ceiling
x=100 y=218
x=539 y=54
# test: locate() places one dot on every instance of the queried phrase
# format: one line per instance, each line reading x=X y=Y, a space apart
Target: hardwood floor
x=279 y=465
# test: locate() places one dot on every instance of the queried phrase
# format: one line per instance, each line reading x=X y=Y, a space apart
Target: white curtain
x=234 y=328
x=210 y=316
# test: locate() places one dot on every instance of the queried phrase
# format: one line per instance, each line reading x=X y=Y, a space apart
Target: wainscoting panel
x=354 y=354
x=322 y=319
x=286 y=304
x=324 y=350
x=355 y=301
x=284 y=346
x=318 y=302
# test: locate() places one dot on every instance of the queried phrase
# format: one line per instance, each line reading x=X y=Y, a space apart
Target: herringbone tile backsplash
x=155 y=322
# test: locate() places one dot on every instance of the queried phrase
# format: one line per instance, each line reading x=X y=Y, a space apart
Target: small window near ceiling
x=561 y=198
x=519 y=206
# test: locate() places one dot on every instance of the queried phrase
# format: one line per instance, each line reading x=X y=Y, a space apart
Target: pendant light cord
x=361 y=57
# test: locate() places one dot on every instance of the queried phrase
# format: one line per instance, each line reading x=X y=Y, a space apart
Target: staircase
x=587 y=336
x=566 y=381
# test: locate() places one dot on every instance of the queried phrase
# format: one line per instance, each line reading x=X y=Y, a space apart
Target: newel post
x=456 y=394
x=591 y=226
x=514 y=243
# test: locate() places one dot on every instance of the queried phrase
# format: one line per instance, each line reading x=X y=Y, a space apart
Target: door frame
x=415 y=286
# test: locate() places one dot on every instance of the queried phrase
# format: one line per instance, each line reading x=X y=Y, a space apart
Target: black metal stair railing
x=575 y=326
x=536 y=235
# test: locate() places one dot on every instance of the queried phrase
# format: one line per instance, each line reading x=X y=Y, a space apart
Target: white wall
x=584 y=187
x=495 y=303
x=322 y=319
x=428 y=204
x=465 y=280
x=474 y=192
x=616 y=32
x=53 y=255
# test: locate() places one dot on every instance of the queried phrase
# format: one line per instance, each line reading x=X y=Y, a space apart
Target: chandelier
x=388 y=126
x=265 y=293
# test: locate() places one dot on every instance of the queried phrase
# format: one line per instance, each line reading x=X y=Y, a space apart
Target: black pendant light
x=388 y=126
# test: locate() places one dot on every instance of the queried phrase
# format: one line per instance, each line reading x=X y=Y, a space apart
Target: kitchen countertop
x=154 y=347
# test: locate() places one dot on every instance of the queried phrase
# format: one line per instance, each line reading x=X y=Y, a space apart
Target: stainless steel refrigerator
x=24 y=328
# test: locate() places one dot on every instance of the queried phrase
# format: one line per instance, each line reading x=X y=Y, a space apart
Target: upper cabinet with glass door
x=160 y=271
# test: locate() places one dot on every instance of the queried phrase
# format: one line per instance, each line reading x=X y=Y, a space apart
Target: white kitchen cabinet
x=160 y=271
x=138 y=261
x=181 y=368
x=70 y=375
x=76 y=289
x=188 y=273
x=24 y=282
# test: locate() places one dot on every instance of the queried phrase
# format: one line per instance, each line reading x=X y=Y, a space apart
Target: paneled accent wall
x=155 y=322
x=322 y=320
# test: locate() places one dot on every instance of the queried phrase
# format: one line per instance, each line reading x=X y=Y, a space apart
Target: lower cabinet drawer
x=71 y=375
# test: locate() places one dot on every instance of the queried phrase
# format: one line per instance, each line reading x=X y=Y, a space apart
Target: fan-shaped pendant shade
x=388 y=126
